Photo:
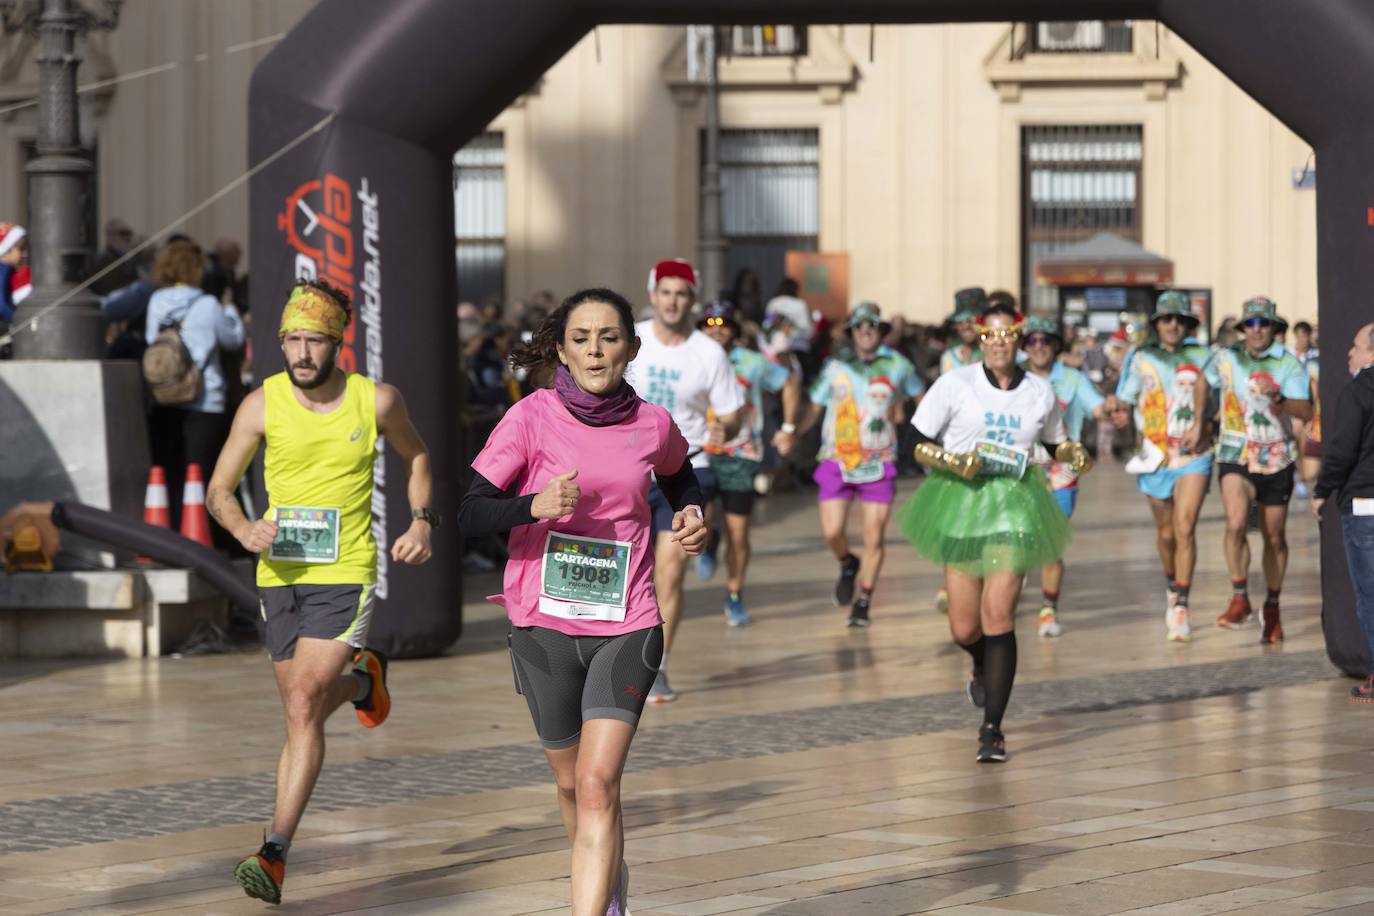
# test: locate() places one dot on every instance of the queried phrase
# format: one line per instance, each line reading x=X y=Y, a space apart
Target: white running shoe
x=1180 y=630
x=1049 y=622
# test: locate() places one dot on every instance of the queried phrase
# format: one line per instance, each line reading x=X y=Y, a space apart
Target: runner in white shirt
x=687 y=373
x=986 y=514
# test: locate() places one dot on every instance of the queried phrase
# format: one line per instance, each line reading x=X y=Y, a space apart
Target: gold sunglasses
x=715 y=322
x=999 y=334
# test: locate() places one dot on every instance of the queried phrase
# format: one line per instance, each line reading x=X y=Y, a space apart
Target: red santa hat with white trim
x=11 y=234
x=674 y=267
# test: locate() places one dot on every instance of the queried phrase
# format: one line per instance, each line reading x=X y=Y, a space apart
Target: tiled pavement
x=807 y=769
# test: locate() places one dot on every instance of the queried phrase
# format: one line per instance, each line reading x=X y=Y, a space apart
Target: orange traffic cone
x=195 y=521
x=155 y=507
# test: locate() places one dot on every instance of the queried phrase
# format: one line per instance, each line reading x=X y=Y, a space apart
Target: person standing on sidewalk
x=1347 y=475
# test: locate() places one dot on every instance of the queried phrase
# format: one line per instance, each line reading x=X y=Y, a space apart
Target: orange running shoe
x=262 y=874
x=1273 y=629
x=376 y=706
x=1237 y=612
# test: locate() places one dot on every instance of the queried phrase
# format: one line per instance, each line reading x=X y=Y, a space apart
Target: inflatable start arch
x=367 y=201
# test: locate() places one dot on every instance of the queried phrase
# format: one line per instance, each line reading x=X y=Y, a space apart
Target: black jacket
x=1348 y=444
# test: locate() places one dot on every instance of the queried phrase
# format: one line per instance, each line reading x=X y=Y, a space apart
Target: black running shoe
x=844 y=586
x=992 y=747
x=974 y=689
x=858 y=614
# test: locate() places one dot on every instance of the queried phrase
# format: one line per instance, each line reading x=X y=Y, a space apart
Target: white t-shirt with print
x=963 y=409
x=685 y=380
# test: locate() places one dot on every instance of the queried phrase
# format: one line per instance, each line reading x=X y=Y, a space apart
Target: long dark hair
x=542 y=349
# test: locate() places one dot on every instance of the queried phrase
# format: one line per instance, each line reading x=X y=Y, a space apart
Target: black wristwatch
x=428 y=515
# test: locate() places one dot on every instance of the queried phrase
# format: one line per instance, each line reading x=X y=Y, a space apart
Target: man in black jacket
x=1348 y=474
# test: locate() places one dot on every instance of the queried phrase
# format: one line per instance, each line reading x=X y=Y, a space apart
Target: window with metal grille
x=1087 y=36
x=1076 y=181
x=479 y=217
x=770 y=199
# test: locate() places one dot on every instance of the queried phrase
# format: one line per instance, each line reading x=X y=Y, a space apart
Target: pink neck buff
x=593 y=409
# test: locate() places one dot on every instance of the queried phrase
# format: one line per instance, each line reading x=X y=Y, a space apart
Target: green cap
x=969 y=303
x=868 y=312
x=1262 y=307
x=1174 y=302
x=1043 y=324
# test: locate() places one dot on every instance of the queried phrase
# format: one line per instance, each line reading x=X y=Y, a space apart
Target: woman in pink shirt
x=567 y=472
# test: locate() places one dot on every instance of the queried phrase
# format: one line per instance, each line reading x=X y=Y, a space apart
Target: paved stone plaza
x=806 y=768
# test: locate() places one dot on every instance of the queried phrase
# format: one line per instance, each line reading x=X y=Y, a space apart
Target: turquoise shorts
x=1067 y=499
x=1160 y=484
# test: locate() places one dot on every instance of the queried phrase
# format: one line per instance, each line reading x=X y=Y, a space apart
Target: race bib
x=585 y=578
x=1001 y=460
x=868 y=472
x=306 y=534
x=1231 y=448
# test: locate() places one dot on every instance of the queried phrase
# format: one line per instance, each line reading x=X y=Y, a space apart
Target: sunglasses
x=999 y=334
x=1172 y=319
x=864 y=325
x=1039 y=340
x=715 y=322
x=1256 y=323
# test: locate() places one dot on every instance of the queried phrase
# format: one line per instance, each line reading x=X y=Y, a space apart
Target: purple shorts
x=834 y=486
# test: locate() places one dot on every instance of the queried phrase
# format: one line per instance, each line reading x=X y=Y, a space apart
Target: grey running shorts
x=339 y=612
x=569 y=679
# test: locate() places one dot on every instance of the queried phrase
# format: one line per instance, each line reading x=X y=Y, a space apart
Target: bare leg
x=311 y=687
x=1166 y=541
x=670 y=567
x=875 y=516
x=834 y=519
x=965 y=606
x=1273 y=522
x=563 y=762
x=599 y=844
x=737 y=562
x=1052 y=577
x=1236 y=494
x=1189 y=492
x=998 y=608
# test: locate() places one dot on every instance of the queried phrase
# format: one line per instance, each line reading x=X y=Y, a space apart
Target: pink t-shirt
x=576 y=573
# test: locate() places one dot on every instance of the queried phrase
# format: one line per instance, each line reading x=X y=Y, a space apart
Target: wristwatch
x=428 y=515
x=788 y=428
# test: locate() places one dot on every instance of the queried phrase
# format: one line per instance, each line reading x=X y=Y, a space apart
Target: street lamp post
x=58 y=178
x=711 y=242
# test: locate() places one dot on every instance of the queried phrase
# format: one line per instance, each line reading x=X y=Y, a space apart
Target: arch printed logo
x=317 y=220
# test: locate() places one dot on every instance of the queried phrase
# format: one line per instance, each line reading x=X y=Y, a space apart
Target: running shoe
x=372 y=709
x=1300 y=490
x=1180 y=629
x=992 y=747
x=1364 y=693
x=262 y=874
x=620 y=900
x=942 y=601
x=974 y=690
x=844 y=586
x=736 y=614
x=1237 y=612
x=661 y=692
x=1273 y=629
x=706 y=562
x=858 y=613
x=1049 y=622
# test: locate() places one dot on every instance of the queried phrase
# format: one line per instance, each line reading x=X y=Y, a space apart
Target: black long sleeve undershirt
x=487 y=509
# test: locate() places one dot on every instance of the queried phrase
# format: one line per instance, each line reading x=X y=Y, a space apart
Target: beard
x=323 y=373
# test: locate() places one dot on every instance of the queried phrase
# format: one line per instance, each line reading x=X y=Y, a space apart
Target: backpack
x=172 y=376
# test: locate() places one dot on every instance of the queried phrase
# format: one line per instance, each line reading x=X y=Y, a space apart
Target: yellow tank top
x=322 y=461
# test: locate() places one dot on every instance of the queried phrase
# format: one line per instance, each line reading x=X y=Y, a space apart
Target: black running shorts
x=338 y=612
x=569 y=679
x=1270 y=489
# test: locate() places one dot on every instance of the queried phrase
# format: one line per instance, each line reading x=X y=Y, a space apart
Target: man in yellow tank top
x=318 y=557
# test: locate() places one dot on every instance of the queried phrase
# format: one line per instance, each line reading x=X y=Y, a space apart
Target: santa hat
x=21 y=284
x=882 y=381
x=1188 y=368
x=10 y=235
x=676 y=267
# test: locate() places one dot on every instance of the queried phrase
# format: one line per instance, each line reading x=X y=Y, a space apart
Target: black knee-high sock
x=976 y=650
x=999 y=672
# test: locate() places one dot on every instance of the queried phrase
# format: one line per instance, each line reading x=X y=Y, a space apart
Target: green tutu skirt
x=987 y=525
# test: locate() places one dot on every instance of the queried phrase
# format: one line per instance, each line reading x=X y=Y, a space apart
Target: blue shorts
x=1160 y=484
x=1067 y=499
x=662 y=513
